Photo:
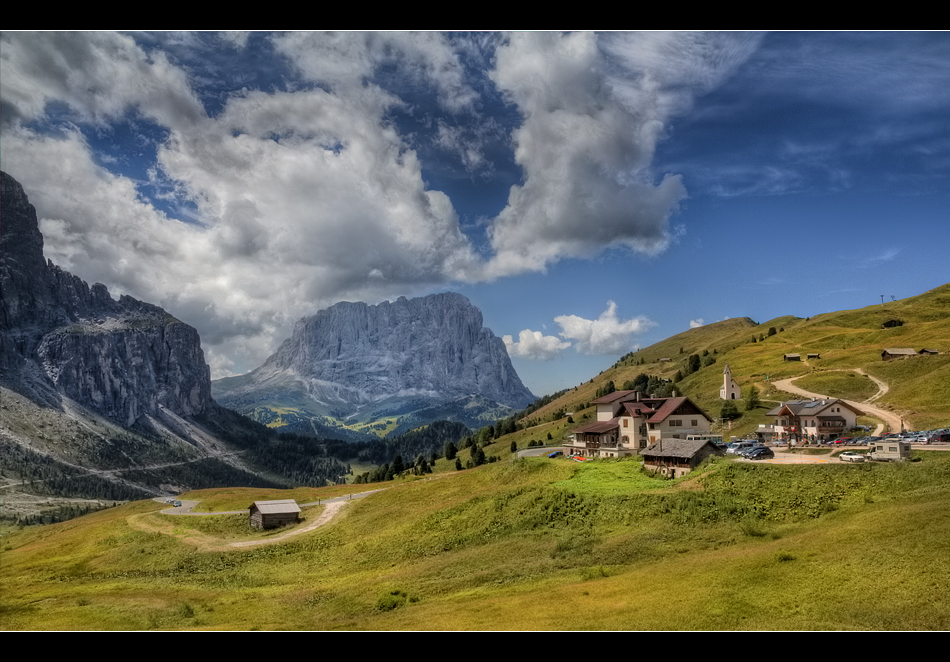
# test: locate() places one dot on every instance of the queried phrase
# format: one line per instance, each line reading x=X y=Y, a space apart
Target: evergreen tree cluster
x=426 y=444
x=650 y=385
x=302 y=459
x=42 y=475
x=207 y=472
x=60 y=513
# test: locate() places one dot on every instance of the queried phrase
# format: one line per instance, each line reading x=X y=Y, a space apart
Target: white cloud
x=99 y=75
x=694 y=324
x=303 y=198
x=594 y=109
x=307 y=195
x=534 y=346
x=343 y=60
x=605 y=335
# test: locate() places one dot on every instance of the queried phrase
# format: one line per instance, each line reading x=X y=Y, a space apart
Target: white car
x=848 y=456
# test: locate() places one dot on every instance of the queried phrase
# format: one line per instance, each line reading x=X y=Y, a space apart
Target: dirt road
x=891 y=420
x=207 y=542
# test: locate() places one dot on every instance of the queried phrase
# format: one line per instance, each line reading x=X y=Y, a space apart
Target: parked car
x=760 y=453
x=851 y=456
x=737 y=447
x=744 y=452
x=556 y=454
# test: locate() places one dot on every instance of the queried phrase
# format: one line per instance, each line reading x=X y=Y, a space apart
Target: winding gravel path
x=890 y=419
x=332 y=508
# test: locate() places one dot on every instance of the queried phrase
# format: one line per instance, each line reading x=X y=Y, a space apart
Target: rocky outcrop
x=433 y=346
x=412 y=354
x=123 y=359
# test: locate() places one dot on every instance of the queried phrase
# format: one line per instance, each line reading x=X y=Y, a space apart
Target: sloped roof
x=638 y=408
x=909 y=351
x=670 y=406
x=676 y=448
x=613 y=397
x=811 y=407
x=599 y=427
x=276 y=507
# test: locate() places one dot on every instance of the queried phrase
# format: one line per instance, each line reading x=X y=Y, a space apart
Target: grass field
x=524 y=545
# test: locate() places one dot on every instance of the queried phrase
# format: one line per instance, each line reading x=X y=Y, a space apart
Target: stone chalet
x=810 y=421
x=627 y=422
x=676 y=457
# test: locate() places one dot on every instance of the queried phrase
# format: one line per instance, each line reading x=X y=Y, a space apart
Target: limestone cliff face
x=351 y=365
x=121 y=358
x=434 y=347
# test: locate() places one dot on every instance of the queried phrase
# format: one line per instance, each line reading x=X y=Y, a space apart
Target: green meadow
x=530 y=544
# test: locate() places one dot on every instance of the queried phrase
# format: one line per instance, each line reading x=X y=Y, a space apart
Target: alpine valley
x=354 y=370
x=112 y=399
x=107 y=399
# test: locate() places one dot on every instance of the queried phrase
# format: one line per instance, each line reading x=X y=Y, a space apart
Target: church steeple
x=730 y=388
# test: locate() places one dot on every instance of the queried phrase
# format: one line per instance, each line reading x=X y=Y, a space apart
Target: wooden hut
x=271 y=514
x=891 y=353
x=675 y=457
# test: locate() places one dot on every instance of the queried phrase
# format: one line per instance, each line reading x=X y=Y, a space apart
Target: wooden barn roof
x=276 y=507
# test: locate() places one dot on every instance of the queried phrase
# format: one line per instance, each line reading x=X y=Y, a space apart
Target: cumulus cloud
x=594 y=109
x=534 y=346
x=300 y=198
x=98 y=75
x=296 y=195
x=695 y=324
x=605 y=335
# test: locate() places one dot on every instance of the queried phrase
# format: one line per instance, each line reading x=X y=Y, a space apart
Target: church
x=730 y=388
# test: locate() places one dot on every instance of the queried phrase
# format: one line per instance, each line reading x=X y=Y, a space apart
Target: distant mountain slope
x=372 y=369
x=115 y=396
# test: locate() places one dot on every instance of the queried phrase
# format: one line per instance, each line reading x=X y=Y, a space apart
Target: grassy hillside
x=846 y=340
x=530 y=544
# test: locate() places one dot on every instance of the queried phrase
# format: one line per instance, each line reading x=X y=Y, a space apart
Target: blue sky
x=591 y=193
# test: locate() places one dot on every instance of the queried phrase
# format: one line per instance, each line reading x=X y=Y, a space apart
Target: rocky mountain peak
x=424 y=358
x=124 y=359
x=433 y=345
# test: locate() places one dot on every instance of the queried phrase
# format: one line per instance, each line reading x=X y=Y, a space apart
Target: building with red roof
x=628 y=422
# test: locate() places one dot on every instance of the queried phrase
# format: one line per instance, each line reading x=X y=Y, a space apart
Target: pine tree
x=752 y=399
